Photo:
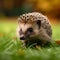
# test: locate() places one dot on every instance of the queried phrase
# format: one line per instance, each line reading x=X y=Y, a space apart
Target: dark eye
x=30 y=30
x=39 y=23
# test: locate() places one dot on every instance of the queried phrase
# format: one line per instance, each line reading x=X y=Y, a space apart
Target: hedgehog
x=34 y=29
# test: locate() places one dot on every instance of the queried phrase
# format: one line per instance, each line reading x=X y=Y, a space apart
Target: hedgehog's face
x=27 y=30
x=28 y=26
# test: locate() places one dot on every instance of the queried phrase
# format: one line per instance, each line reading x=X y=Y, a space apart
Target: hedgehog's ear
x=19 y=20
x=39 y=23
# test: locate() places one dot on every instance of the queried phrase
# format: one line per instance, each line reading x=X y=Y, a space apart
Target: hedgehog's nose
x=22 y=37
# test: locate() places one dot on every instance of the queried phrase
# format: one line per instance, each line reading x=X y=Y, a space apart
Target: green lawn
x=10 y=46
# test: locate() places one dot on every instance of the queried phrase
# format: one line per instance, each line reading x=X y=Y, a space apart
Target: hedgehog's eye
x=39 y=23
x=30 y=30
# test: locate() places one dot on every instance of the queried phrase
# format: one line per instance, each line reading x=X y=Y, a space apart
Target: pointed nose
x=22 y=37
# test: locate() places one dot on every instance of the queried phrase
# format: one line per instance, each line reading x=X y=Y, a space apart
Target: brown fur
x=26 y=21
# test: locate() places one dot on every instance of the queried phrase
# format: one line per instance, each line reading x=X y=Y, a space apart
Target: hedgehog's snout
x=22 y=37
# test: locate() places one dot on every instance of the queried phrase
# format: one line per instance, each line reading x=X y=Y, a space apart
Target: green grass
x=10 y=46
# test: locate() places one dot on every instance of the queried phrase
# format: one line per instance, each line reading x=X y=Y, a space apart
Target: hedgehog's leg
x=37 y=46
